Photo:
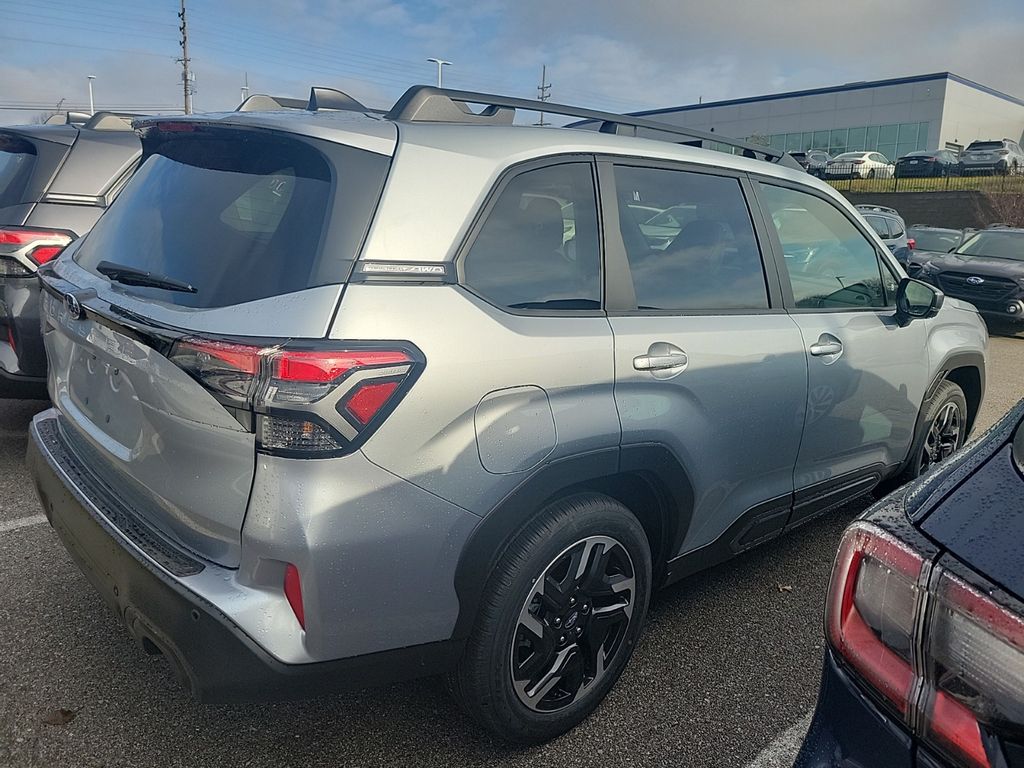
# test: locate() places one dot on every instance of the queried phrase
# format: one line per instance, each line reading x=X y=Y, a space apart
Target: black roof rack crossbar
x=426 y=103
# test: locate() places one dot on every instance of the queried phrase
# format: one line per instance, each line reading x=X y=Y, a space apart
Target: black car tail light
x=975 y=657
x=937 y=653
x=305 y=402
x=872 y=603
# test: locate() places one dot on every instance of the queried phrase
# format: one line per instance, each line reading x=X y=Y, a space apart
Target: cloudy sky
x=613 y=55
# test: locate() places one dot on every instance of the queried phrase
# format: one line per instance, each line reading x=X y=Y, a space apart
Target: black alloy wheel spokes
x=573 y=623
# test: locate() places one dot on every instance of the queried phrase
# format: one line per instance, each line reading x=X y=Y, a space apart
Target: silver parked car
x=1002 y=156
x=55 y=181
x=344 y=398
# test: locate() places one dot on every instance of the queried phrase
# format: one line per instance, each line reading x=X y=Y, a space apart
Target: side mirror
x=916 y=300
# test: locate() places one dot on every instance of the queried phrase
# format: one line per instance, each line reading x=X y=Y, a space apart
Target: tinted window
x=985 y=145
x=538 y=246
x=701 y=253
x=829 y=261
x=878 y=224
x=940 y=240
x=895 y=228
x=240 y=217
x=17 y=157
x=996 y=245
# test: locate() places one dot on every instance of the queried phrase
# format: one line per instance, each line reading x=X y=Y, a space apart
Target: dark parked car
x=986 y=270
x=925 y=620
x=932 y=241
x=55 y=181
x=937 y=162
x=813 y=161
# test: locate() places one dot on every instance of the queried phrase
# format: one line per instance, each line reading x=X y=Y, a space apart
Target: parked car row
x=271 y=460
x=1004 y=156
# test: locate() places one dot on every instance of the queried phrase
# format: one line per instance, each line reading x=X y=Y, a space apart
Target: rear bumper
x=848 y=729
x=212 y=656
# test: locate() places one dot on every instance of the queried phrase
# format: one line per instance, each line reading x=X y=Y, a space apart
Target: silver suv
x=1001 y=156
x=342 y=397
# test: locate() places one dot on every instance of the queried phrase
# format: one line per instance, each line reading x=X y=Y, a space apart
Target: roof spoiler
x=320 y=99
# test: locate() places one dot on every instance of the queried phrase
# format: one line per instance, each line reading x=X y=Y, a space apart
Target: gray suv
x=55 y=181
x=1002 y=156
x=345 y=398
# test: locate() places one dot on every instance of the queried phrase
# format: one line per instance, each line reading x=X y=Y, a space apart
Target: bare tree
x=1002 y=208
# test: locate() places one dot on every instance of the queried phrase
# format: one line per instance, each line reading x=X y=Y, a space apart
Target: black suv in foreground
x=925 y=621
x=986 y=270
x=55 y=181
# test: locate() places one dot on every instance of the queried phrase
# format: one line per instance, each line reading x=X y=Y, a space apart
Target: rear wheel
x=561 y=613
x=943 y=432
x=871 y=173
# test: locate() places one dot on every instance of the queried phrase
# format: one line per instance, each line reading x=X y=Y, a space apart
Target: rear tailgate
x=244 y=219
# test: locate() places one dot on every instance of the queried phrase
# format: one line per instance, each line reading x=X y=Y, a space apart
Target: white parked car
x=860 y=165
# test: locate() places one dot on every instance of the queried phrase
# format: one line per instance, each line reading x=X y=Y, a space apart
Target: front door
x=867 y=375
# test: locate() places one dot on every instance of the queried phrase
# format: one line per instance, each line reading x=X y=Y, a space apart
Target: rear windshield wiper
x=132 y=276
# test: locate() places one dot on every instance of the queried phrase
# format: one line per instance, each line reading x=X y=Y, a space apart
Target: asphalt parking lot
x=729 y=662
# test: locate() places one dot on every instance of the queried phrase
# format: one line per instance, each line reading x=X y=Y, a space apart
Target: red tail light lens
x=305 y=402
x=871 y=608
x=38 y=245
x=857 y=162
x=293 y=593
x=911 y=243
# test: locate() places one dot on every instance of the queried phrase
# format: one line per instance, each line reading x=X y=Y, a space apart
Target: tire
x=871 y=173
x=503 y=637
x=925 y=454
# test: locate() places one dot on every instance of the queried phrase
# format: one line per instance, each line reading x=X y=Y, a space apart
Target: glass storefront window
x=922 y=136
x=889 y=150
x=837 y=141
x=806 y=141
x=820 y=140
x=793 y=142
x=871 y=142
x=857 y=138
x=888 y=134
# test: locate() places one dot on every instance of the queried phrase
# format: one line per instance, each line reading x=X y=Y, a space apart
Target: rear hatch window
x=17 y=159
x=238 y=214
x=985 y=145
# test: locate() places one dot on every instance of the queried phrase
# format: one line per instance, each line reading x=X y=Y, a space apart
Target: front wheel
x=561 y=613
x=943 y=431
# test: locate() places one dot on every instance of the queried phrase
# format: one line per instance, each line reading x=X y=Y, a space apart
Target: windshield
x=239 y=215
x=17 y=157
x=995 y=245
x=941 y=240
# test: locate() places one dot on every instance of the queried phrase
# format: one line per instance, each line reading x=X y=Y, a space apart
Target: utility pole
x=92 y=108
x=543 y=92
x=440 y=63
x=245 y=88
x=186 y=75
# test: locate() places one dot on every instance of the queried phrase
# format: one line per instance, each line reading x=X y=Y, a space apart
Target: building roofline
x=861 y=85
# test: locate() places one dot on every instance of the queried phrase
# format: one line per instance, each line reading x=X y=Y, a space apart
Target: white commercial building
x=897 y=116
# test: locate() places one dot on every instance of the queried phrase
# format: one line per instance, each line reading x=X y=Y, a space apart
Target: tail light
x=943 y=657
x=911 y=243
x=38 y=246
x=1003 y=152
x=975 y=675
x=303 y=402
x=857 y=162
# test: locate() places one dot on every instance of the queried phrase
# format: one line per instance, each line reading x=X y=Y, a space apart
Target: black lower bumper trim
x=212 y=656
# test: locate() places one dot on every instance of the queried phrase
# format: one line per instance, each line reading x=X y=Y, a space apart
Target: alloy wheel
x=573 y=623
x=944 y=437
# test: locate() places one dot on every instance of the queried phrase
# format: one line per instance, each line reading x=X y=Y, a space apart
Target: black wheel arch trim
x=653 y=463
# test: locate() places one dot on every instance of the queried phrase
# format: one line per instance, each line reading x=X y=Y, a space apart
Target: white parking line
x=22 y=522
x=782 y=751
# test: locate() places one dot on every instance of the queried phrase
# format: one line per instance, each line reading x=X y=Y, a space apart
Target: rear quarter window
x=17 y=159
x=241 y=215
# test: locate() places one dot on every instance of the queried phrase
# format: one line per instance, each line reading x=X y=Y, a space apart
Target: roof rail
x=320 y=98
x=112 y=121
x=877 y=209
x=427 y=104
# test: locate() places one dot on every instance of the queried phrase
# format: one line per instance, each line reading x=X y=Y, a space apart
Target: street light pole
x=92 y=108
x=440 y=63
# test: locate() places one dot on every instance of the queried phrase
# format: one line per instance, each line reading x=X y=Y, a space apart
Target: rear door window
x=880 y=225
x=17 y=159
x=239 y=215
x=699 y=252
x=538 y=245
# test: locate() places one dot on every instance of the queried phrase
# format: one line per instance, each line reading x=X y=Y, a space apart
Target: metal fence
x=851 y=179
